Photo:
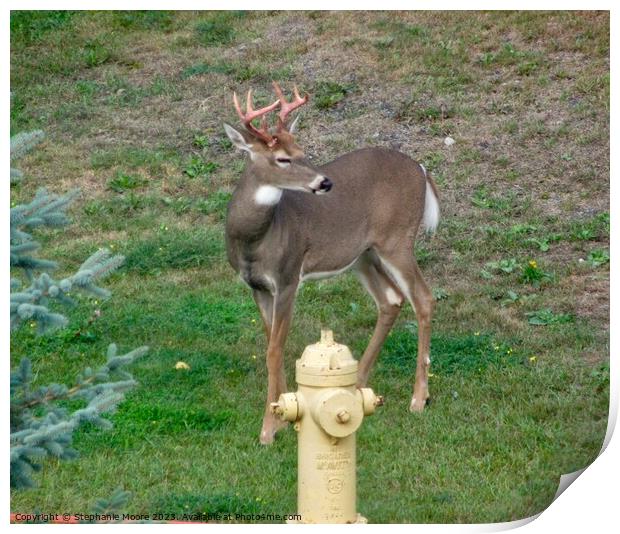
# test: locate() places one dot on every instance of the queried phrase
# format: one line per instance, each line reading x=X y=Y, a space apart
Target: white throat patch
x=267 y=195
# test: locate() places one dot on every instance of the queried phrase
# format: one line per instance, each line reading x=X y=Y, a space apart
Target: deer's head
x=277 y=161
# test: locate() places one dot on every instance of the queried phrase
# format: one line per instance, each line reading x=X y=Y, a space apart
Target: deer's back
x=371 y=185
x=376 y=191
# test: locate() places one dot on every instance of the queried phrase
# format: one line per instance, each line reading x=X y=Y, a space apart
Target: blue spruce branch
x=31 y=303
x=21 y=144
x=24 y=142
x=40 y=428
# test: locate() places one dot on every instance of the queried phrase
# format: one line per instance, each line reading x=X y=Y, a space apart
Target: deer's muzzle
x=323 y=186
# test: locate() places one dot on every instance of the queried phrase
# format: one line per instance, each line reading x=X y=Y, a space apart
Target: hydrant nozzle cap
x=287 y=408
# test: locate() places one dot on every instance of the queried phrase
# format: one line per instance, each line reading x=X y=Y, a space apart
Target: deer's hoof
x=268 y=435
x=418 y=405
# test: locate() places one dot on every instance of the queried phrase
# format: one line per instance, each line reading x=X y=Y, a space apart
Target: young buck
x=283 y=228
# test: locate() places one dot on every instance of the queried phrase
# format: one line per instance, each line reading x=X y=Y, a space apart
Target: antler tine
x=279 y=92
x=287 y=107
x=251 y=114
x=238 y=107
x=296 y=92
x=248 y=103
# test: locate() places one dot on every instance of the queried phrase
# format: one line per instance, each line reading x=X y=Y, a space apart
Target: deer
x=289 y=221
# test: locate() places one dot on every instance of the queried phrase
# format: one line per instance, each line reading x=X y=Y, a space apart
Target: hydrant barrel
x=327 y=410
x=327 y=480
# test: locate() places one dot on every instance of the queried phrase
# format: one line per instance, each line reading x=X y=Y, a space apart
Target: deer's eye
x=283 y=162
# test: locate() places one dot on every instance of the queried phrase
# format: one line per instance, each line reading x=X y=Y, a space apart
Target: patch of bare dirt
x=591 y=296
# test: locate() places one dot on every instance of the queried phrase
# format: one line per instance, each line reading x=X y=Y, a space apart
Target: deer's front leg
x=280 y=324
x=264 y=302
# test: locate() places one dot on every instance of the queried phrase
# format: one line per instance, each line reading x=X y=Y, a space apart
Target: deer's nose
x=325 y=185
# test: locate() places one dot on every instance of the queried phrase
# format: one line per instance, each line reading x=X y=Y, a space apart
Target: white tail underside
x=431 y=210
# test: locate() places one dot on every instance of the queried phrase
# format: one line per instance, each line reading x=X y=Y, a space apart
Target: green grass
x=145 y=20
x=29 y=26
x=173 y=249
x=328 y=94
x=219 y=28
x=132 y=105
x=196 y=166
x=123 y=182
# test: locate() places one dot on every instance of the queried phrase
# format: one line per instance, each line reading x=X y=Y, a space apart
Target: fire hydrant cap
x=330 y=361
x=338 y=412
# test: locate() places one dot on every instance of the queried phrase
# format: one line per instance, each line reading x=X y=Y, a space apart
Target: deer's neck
x=253 y=234
x=251 y=213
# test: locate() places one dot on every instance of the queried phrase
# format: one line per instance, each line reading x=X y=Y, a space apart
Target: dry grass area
x=133 y=106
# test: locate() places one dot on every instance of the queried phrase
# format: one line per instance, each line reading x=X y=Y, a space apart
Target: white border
x=588 y=505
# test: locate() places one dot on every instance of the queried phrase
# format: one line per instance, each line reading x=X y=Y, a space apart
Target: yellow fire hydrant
x=327 y=410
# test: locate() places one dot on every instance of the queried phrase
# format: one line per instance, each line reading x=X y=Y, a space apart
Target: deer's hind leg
x=399 y=263
x=388 y=298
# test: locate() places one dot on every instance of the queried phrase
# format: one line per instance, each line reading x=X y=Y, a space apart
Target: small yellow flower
x=509 y=351
x=112 y=245
x=532 y=359
x=181 y=365
x=533 y=264
x=253 y=356
x=496 y=347
x=476 y=333
x=253 y=321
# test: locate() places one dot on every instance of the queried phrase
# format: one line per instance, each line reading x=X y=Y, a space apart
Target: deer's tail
x=430 y=219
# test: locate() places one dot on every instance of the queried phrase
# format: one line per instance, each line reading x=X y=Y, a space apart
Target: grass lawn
x=133 y=103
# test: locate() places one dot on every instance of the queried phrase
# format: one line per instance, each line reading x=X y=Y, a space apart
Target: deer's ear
x=293 y=126
x=238 y=139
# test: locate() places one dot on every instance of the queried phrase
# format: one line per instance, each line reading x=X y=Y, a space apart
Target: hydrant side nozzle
x=369 y=400
x=288 y=407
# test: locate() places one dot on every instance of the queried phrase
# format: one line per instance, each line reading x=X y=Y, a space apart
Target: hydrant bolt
x=343 y=416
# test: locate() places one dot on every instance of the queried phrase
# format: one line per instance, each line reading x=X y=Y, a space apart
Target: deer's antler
x=251 y=114
x=287 y=107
